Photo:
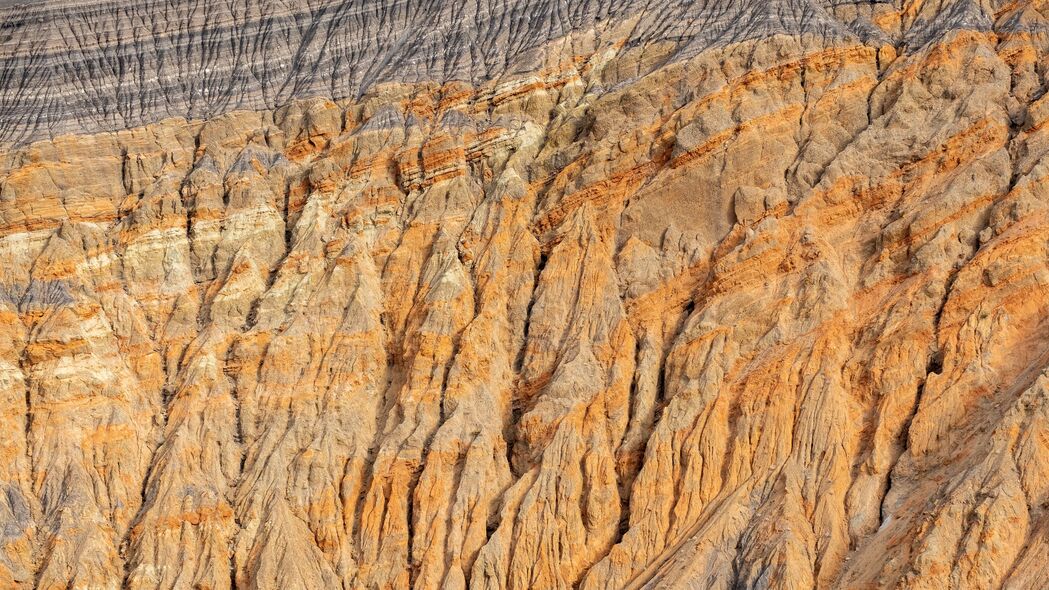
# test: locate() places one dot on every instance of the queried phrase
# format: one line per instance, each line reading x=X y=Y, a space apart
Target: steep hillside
x=510 y=294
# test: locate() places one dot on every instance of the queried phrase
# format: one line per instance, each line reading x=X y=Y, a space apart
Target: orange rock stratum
x=524 y=294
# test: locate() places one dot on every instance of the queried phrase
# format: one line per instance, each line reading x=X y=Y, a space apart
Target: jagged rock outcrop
x=524 y=294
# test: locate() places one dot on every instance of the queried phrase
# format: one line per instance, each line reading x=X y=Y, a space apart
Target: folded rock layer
x=524 y=294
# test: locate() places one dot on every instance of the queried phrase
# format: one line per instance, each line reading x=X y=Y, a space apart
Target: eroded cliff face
x=765 y=310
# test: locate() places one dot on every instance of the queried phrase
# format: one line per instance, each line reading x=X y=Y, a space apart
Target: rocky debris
x=712 y=294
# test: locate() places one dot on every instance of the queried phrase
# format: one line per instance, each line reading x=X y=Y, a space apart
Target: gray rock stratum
x=84 y=66
x=511 y=294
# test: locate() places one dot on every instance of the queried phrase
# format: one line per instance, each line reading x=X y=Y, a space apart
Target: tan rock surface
x=770 y=314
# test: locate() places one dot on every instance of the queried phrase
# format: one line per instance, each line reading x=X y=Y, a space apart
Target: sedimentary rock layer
x=71 y=66
x=524 y=295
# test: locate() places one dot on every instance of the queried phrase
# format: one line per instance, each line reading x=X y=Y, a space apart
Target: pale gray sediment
x=86 y=66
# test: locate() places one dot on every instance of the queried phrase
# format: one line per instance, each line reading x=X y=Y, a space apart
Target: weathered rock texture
x=524 y=294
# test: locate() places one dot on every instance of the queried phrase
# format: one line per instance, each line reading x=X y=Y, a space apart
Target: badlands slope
x=510 y=294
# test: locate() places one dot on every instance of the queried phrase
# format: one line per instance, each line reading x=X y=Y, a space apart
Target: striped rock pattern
x=513 y=294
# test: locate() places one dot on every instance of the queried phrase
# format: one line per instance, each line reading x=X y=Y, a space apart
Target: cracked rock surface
x=510 y=294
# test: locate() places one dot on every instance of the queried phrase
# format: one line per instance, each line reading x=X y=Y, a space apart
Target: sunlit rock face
x=520 y=294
